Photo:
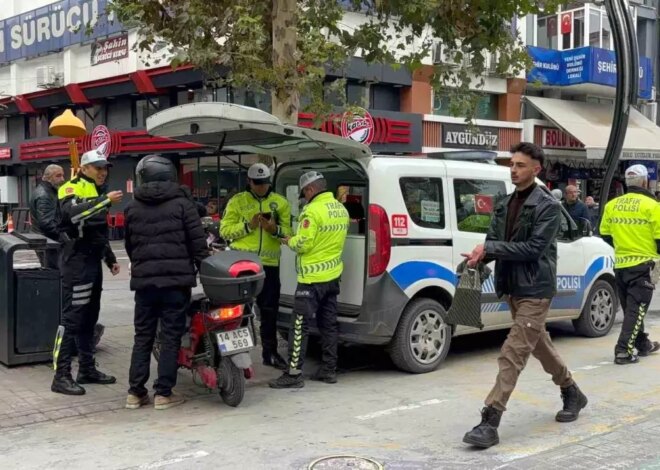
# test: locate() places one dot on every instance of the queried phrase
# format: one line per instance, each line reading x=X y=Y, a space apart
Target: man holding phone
x=255 y=220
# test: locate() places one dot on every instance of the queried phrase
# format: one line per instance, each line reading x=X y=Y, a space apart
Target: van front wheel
x=423 y=337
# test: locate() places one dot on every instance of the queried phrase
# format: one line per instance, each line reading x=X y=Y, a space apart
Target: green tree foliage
x=284 y=46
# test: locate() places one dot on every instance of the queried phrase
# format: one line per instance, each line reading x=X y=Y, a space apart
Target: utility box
x=30 y=302
x=8 y=190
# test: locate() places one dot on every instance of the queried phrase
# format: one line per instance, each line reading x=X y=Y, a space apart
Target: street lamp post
x=627 y=66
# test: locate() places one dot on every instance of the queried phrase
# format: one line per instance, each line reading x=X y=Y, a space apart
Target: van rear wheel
x=423 y=337
x=599 y=312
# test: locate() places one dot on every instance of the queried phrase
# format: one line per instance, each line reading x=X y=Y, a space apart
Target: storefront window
x=607 y=33
x=542 y=33
x=250 y=98
x=145 y=108
x=36 y=126
x=90 y=116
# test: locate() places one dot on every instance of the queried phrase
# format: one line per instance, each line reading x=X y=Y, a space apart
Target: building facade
x=569 y=102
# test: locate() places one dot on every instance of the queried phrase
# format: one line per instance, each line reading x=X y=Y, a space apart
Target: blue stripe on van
x=410 y=272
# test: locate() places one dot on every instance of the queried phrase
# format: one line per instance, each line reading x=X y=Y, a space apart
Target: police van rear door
x=235 y=129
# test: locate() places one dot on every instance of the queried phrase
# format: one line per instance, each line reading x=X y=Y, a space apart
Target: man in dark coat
x=45 y=212
x=166 y=243
x=522 y=241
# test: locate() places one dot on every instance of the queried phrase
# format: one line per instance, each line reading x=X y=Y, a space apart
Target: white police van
x=411 y=218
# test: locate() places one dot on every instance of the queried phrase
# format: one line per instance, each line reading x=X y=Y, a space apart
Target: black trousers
x=635 y=292
x=321 y=300
x=151 y=305
x=82 y=280
x=268 y=302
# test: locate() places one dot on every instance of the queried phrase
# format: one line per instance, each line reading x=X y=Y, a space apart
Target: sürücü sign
x=461 y=137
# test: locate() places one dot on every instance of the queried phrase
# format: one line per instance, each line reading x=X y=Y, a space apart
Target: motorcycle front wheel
x=232 y=382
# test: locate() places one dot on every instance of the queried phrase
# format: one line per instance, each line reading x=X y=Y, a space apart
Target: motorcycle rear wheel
x=232 y=386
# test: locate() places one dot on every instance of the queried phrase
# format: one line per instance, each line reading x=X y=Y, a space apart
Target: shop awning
x=590 y=123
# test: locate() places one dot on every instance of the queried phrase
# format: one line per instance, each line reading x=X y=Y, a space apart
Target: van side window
x=424 y=201
x=475 y=202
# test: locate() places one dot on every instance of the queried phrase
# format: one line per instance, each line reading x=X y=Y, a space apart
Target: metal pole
x=627 y=60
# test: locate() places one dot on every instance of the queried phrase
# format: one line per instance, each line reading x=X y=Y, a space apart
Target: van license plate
x=234 y=341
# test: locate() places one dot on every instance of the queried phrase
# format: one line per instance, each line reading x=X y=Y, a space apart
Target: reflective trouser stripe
x=297 y=345
x=58 y=344
x=83 y=287
x=641 y=313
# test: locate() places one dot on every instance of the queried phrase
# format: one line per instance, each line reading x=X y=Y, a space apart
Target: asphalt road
x=402 y=421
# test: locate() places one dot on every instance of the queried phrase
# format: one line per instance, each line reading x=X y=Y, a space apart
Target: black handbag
x=466 y=306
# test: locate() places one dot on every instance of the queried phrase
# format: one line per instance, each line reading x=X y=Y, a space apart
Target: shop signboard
x=460 y=136
x=109 y=50
x=584 y=65
x=640 y=155
x=558 y=139
x=54 y=27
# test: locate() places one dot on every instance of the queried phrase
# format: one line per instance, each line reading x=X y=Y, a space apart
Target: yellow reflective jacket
x=84 y=214
x=234 y=226
x=319 y=241
x=633 y=222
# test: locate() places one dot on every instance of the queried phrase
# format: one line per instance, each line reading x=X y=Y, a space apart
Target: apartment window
x=357 y=94
x=486 y=107
x=607 y=33
x=144 y=108
x=578 y=28
x=251 y=98
x=90 y=116
x=594 y=27
x=3 y=130
x=542 y=39
x=385 y=97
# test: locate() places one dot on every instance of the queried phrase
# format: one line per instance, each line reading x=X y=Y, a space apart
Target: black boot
x=66 y=386
x=648 y=348
x=324 y=375
x=574 y=400
x=94 y=376
x=485 y=434
x=288 y=381
x=273 y=359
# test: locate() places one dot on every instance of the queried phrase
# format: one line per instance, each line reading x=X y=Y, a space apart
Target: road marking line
x=389 y=411
x=162 y=463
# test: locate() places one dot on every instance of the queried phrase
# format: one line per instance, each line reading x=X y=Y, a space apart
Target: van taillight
x=380 y=242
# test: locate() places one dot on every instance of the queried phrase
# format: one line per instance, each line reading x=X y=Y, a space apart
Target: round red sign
x=358 y=128
x=101 y=140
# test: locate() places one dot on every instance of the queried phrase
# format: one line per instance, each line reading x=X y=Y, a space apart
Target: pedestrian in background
x=522 y=240
x=593 y=209
x=45 y=213
x=576 y=208
x=318 y=244
x=84 y=205
x=256 y=220
x=166 y=244
x=631 y=224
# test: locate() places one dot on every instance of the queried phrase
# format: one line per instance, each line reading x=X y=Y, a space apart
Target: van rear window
x=424 y=201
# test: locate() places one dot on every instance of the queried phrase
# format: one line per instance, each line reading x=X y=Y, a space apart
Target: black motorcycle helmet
x=155 y=168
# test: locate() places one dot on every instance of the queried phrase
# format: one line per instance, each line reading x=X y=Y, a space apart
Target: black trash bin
x=30 y=302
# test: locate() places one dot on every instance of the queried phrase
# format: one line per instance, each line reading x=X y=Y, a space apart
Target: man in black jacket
x=45 y=212
x=166 y=243
x=522 y=241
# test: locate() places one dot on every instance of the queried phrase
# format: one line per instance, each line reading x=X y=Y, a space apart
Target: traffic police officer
x=254 y=221
x=631 y=223
x=319 y=243
x=84 y=208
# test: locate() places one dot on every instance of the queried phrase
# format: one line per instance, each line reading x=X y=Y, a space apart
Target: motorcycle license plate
x=234 y=341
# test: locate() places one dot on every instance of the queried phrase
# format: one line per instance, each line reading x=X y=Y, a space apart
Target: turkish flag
x=483 y=204
x=566 y=23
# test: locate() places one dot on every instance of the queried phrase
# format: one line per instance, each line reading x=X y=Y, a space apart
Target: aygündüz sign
x=462 y=137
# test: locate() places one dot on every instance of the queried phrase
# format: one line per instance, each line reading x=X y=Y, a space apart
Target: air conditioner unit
x=444 y=55
x=48 y=78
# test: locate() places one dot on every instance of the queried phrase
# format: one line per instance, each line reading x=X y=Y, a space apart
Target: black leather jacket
x=526 y=266
x=45 y=211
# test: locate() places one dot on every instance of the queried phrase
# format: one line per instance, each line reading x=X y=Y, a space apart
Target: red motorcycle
x=220 y=329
